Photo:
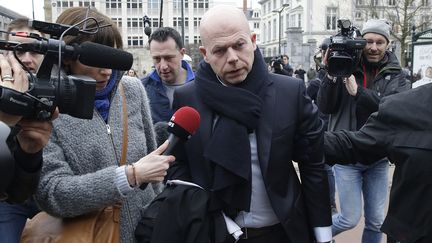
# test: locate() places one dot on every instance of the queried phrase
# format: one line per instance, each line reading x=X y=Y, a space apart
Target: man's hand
x=351 y=85
x=12 y=76
x=34 y=135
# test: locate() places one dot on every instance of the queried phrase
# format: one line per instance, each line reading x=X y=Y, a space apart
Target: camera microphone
x=88 y=53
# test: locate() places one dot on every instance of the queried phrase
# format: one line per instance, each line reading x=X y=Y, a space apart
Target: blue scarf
x=102 y=101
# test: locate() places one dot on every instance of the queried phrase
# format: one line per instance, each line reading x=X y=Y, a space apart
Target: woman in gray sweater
x=81 y=171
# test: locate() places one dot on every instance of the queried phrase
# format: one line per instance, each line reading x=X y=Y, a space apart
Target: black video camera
x=277 y=63
x=52 y=87
x=345 y=50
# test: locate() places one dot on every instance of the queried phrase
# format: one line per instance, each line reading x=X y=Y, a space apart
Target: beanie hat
x=378 y=26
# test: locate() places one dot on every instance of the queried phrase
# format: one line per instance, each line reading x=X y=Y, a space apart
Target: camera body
x=277 y=63
x=51 y=87
x=345 y=50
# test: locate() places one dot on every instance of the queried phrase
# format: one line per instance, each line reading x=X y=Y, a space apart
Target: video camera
x=277 y=63
x=52 y=87
x=345 y=50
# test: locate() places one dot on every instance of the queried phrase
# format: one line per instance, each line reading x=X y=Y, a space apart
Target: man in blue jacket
x=166 y=49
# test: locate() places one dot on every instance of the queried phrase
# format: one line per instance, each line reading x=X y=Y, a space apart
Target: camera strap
x=125 y=125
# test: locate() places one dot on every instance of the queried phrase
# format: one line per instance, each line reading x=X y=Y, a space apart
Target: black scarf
x=238 y=109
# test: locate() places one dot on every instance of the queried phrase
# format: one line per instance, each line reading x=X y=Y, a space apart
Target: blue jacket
x=156 y=92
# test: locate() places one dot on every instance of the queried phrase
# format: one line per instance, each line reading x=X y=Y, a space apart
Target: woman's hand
x=153 y=167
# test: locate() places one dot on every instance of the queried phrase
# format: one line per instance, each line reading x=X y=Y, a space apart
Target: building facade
x=305 y=23
x=6 y=16
x=129 y=15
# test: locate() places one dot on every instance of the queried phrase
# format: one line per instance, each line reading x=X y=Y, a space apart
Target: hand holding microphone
x=152 y=168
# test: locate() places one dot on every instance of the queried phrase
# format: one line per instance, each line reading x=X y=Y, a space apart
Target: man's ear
x=183 y=51
x=204 y=53
x=253 y=39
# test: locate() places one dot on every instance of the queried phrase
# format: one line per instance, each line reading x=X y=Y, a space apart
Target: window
x=135 y=41
x=425 y=2
x=64 y=4
x=274 y=29
x=153 y=4
x=292 y=20
x=134 y=23
x=269 y=30
x=256 y=25
x=256 y=14
x=331 y=18
x=358 y=15
x=155 y=22
x=392 y=2
x=177 y=21
x=177 y=4
x=197 y=21
x=117 y=21
x=113 y=4
x=86 y=3
x=299 y=20
x=359 y=2
x=201 y=4
x=197 y=39
x=393 y=19
x=374 y=2
x=134 y=4
x=425 y=22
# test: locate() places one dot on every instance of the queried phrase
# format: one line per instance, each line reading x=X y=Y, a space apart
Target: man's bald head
x=220 y=18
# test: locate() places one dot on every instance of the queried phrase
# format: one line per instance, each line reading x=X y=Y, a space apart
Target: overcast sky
x=24 y=7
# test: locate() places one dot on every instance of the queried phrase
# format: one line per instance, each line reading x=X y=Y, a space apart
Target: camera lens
x=346 y=23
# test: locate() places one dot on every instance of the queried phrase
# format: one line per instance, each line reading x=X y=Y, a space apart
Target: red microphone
x=183 y=124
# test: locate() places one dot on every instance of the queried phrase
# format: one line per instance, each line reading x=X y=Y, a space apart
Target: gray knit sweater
x=78 y=174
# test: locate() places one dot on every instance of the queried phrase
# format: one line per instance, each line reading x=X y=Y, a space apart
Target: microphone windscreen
x=187 y=118
x=161 y=131
x=98 y=55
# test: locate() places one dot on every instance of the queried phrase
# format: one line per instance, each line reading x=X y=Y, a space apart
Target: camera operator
x=350 y=101
x=278 y=66
x=32 y=137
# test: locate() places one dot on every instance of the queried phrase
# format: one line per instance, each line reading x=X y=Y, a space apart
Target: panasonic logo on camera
x=17 y=102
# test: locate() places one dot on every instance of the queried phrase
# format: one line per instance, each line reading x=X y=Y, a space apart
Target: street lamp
x=280 y=23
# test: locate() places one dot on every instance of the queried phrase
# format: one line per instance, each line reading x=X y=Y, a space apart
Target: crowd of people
x=256 y=119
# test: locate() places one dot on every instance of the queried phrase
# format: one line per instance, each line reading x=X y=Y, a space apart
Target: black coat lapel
x=264 y=130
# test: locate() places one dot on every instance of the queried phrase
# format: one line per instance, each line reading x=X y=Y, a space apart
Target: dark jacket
x=288 y=130
x=402 y=131
x=312 y=91
x=350 y=113
x=156 y=92
x=177 y=215
x=19 y=171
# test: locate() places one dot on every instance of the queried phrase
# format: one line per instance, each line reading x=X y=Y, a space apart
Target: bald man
x=253 y=125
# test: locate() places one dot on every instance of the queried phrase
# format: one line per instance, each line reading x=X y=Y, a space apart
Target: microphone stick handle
x=173 y=141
